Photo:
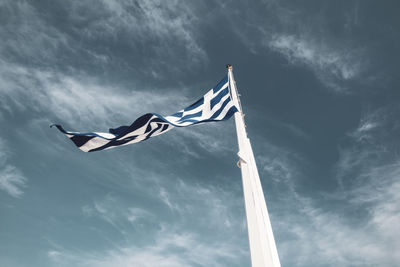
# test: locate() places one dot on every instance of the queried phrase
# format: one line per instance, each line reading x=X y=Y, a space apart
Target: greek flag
x=215 y=105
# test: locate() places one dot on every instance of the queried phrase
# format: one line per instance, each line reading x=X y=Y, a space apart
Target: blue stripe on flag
x=218 y=98
x=220 y=84
x=216 y=114
x=178 y=114
x=194 y=115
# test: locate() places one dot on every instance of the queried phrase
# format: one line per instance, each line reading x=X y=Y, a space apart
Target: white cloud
x=11 y=178
x=165 y=197
x=169 y=26
x=323 y=237
x=80 y=100
x=111 y=210
x=171 y=22
x=170 y=249
x=178 y=243
x=372 y=125
x=137 y=214
x=305 y=38
x=281 y=166
x=217 y=139
x=355 y=225
x=163 y=253
x=311 y=234
x=54 y=254
x=330 y=64
x=31 y=36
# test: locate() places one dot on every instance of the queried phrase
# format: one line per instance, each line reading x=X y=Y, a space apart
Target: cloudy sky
x=320 y=88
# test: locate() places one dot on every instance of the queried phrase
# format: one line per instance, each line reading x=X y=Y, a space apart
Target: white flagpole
x=263 y=250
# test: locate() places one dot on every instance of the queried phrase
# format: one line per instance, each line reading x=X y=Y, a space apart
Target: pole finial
x=229 y=67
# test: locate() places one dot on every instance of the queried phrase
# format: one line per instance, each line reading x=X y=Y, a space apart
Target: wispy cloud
x=170 y=23
x=305 y=39
x=138 y=214
x=361 y=212
x=192 y=252
x=79 y=99
x=170 y=249
x=319 y=234
x=281 y=165
x=11 y=178
x=32 y=39
x=217 y=138
x=116 y=213
x=179 y=242
x=12 y=181
x=127 y=26
x=165 y=198
x=331 y=65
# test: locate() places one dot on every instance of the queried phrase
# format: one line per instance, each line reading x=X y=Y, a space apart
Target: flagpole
x=263 y=250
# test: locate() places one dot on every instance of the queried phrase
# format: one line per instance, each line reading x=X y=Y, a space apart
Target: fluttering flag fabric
x=215 y=105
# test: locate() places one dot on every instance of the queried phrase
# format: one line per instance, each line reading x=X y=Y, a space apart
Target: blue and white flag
x=215 y=105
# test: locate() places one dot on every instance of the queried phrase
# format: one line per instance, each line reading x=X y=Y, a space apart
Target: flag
x=215 y=105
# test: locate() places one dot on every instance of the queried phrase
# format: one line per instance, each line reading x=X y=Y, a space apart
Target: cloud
x=165 y=197
x=31 y=38
x=144 y=36
x=172 y=250
x=79 y=99
x=372 y=143
x=168 y=250
x=311 y=234
x=354 y=224
x=281 y=167
x=183 y=240
x=329 y=64
x=304 y=37
x=11 y=178
x=213 y=138
x=323 y=237
x=170 y=23
x=377 y=126
x=54 y=255
x=116 y=213
x=137 y=214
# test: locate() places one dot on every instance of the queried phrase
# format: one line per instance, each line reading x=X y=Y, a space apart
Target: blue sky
x=319 y=85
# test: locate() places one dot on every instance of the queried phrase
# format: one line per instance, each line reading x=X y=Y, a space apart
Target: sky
x=319 y=85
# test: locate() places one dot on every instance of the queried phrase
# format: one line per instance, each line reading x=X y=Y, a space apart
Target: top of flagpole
x=237 y=95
